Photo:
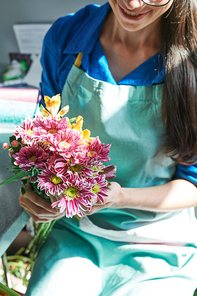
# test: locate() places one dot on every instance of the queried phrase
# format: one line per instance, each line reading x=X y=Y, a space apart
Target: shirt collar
x=84 y=42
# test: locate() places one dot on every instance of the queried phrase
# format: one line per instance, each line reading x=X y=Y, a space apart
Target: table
x=15 y=104
x=12 y=216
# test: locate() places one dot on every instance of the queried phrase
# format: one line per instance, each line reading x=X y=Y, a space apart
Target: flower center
x=71 y=193
x=29 y=132
x=64 y=144
x=47 y=143
x=91 y=153
x=75 y=167
x=94 y=168
x=96 y=189
x=55 y=179
x=52 y=131
x=32 y=158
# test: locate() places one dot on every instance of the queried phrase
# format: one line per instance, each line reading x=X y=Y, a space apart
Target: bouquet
x=57 y=157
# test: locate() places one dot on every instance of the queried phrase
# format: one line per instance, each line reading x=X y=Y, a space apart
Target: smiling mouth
x=132 y=15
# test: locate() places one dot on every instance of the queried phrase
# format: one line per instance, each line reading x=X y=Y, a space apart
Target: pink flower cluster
x=63 y=161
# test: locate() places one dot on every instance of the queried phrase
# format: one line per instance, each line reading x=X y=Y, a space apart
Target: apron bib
x=129 y=118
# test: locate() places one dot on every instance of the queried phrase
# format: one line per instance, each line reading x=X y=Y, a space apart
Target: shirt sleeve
x=55 y=63
x=49 y=61
x=186 y=172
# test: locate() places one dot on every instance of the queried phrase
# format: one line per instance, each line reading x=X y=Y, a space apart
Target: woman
x=108 y=64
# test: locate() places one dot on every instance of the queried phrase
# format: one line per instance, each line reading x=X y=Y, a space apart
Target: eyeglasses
x=157 y=3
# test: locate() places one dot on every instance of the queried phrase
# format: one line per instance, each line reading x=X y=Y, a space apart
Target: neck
x=146 y=37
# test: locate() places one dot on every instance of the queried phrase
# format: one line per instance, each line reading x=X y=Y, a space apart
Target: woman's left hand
x=112 y=201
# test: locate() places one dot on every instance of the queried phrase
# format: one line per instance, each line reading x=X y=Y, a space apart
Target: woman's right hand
x=37 y=207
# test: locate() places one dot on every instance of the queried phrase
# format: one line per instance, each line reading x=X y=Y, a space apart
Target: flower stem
x=16 y=257
x=39 y=238
x=8 y=290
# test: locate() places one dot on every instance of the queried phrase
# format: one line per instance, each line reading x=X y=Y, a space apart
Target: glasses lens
x=156 y=2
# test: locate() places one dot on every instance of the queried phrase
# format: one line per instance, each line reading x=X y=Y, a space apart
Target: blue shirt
x=79 y=33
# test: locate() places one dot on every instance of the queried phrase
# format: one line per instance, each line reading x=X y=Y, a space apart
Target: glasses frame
x=156 y=5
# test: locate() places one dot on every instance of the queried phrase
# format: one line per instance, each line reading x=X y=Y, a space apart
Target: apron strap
x=78 y=60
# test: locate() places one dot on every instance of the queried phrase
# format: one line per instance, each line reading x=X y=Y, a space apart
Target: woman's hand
x=37 y=207
x=113 y=200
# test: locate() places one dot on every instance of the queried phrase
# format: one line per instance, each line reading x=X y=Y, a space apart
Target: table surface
x=15 y=105
x=12 y=217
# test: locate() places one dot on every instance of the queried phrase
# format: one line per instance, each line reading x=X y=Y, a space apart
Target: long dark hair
x=179 y=103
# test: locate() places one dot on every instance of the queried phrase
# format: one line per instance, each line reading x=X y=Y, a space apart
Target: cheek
x=158 y=12
x=163 y=10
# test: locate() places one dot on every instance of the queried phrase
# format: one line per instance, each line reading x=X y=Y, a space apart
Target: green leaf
x=25 y=181
x=72 y=119
x=41 y=107
x=16 y=168
x=34 y=172
x=23 y=190
x=12 y=138
x=17 y=176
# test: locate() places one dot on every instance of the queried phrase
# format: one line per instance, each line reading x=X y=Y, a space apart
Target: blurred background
x=31 y=11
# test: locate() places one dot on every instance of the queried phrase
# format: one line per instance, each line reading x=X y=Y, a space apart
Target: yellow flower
x=85 y=135
x=79 y=123
x=52 y=107
x=63 y=111
x=53 y=104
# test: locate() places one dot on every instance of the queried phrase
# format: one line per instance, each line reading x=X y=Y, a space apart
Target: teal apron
x=124 y=251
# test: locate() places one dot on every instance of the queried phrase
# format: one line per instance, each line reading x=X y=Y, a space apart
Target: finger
x=37 y=209
x=36 y=199
x=38 y=219
x=93 y=210
x=96 y=208
x=99 y=203
x=45 y=217
x=54 y=198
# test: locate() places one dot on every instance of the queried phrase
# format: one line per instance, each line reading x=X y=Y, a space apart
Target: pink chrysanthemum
x=51 y=163
x=25 y=131
x=67 y=144
x=47 y=127
x=62 y=166
x=30 y=156
x=44 y=146
x=50 y=182
x=84 y=170
x=77 y=193
x=96 y=166
x=100 y=187
x=98 y=151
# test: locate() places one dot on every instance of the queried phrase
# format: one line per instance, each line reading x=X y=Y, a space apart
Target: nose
x=132 y=4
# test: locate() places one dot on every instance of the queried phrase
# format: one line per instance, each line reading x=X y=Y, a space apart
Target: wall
x=31 y=11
